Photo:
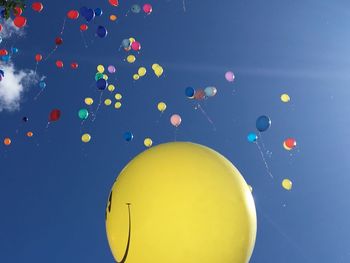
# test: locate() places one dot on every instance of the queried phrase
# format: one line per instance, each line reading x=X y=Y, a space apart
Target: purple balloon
x=229 y=76
x=111 y=69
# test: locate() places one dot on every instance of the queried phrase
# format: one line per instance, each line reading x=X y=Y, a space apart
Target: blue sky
x=53 y=188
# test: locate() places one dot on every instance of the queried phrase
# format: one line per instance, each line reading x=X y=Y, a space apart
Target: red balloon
x=37 y=6
x=0 y=27
x=136 y=46
x=74 y=65
x=83 y=27
x=114 y=2
x=290 y=143
x=58 y=41
x=59 y=64
x=73 y=14
x=55 y=115
x=18 y=11
x=3 y=52
x=38 y=57
x=147 y=8
x=199 y=94
x=20 y=21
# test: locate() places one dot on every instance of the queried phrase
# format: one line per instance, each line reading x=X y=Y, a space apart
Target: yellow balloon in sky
x=111 y=87
x=154 y=66
x=158 y=71
x=131 y=58
x=148 y=142
x=118 y=96
x=180 y=202
x=105 y=77
x=100 y=69
x=287 y=184
x=108 y=102
x=161 y=106
x=285 y=98
x=89 y=101
x=131 y=39
x=136 y=76
x=142 y=71
x=86 y=137
x=113 y=17
x=117 y=105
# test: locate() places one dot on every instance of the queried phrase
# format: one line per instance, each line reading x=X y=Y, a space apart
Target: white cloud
x=13 y=84
x=9 y=29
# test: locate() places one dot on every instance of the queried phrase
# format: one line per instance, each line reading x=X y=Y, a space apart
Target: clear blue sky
x=53 y=188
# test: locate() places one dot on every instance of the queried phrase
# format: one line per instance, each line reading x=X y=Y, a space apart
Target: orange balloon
x=7 y=141
x=30 y=134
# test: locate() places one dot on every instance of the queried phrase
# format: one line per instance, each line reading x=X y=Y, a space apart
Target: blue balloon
x=98 y=11
x=42 y=84
x=101 y=31
x=128 y=136
x=90 y=15
x=135 y=9
x=101 y=84
x=126 y=43
x=14 y=50
x=263 y=123
x=189 y=91
x=210 y=91
x=252 y=137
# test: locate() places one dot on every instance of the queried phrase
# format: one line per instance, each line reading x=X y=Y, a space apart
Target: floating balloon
x=101 y=84
x=287 y=184
x=154 y=66
x=252 y=137
x=105 y=76
x=158 y=71
x=289 y=144
x=126 y=43
x=3 y=52
x=58 y=41
x=30 y=134
x=189 y=92
x=86 y=138
x=161 y=106
x=54 y=115
x=135 y=9
x=88 y=14
x=142 y=71
x=14 y=50
x=128 y=136
x=229 y=76
x=199 y=94
x=88 y=101
x=285 y=98
x=111 y=87
x=111 y=69
x=73 y=14
x=98 y=76
x=25 y=119
x=136 y=76
x=147 y=8
x=98 y=11
x=118 y=96
x=108 y=102
x=37 y=6
x=7 y=141
x=210 y=91
x=136 y=46
x=175 y=120
x=117 y=105
x=100 y=68
x=42 y=84
x=38 y=57
x=112 y=17
x=148 y=142
x=131 y=58
x=59 y=64
x=101 y=31
x=114 y=2
x=74 y=65
x=18 y=11
x=263 y=123
x=83 y=114
x=83 y=27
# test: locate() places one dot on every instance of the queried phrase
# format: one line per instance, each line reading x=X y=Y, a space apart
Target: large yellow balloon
x=161 y=106
x=181 y=202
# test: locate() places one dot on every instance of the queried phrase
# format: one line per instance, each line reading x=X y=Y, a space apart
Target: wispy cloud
x=13 y=85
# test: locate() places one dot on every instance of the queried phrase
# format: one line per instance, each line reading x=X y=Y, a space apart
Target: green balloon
x=98 y=76
x=83 y=114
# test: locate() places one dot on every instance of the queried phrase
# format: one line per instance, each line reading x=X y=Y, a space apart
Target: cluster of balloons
x=157 y=69
x=140 y=73
x=200 y=94
x=147 y=8
x=131 y=44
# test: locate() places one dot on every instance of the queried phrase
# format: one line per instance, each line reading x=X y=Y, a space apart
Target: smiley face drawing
x=180 y=202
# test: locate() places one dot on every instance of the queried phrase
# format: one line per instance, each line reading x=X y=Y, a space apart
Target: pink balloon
x=111 y=69
x=147 y=8
x=229 y=76
x=175 y=120
x=136 y=46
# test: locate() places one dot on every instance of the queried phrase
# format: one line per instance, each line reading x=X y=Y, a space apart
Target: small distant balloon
x=135 y=9
x=289 y=144
x=126 y=43
x=54 y=115
x=25 y=119
x=112 y=17
x=252 y=137
x=100 y=69
x=101 y=84
x=142 y=71
x=98 y=76
x=30 y=134
x=58 y=41
x=74 y=65
x=287 y=184
x=210 y=91
x=101 y=31
x=199 y=94
x=148 y=142
x=158 y=71
x=83 y=114
x=111 y=69
x=117 y=105
x=229 y=76
x=161 y=106
x=285 y=98
x=73 y=14
x=18 y=11
x=88 y=101
x=189 y=92
x=85 y=138
x=136 y=76
x=98 y=11
x=7 y=141
x=114 y=2
x=263 y=123
x=111 y=87
x=14 y=50
x=147 y=8
x=38 y=57
x=175 y=120
x=42 y=84
x=136 y=45
x=59 y=63
x=37 y=6
x=84 y=27
x=131 y=58
x=128 y=136
x=118 y=96
x=108 y=102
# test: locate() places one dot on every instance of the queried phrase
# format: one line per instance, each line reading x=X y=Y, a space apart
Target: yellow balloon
x=118 y=96
x=142 y=71
x=117 y=105
x=135 y=76
x=181 y=202
x=131 y=58
x=132 y=40
x=154 y=66
x=100 y=68
x=86 y=137
x=161 y=106
x=148 y=142
x=108 y=102
x=111 y=87
x=285 y=98
x=287 y=184
x=105 y=77
x=89 y=101
x=158 y=71
x=113 y=17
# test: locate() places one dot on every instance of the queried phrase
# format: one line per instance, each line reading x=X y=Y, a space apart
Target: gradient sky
x=54 y=189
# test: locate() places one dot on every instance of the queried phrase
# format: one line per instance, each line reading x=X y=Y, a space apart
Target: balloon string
x=263 y=158
x=206 y=115
x=98 y=107
x=36 y=67
x=39 y=93
x=83 y=38
x=262 y=141
x=184 y=5
x=63 y=26
x=175 y=134
x=61 y=33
